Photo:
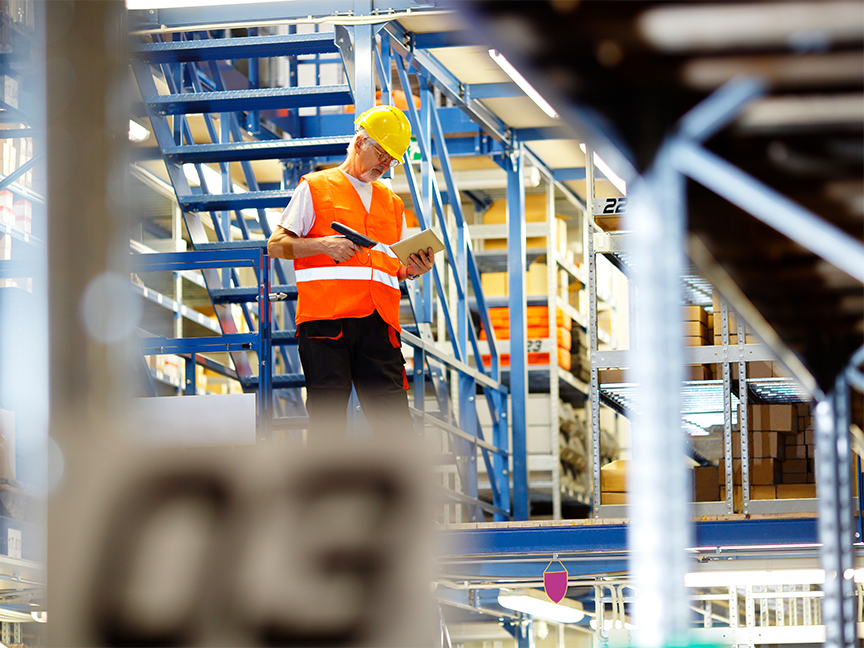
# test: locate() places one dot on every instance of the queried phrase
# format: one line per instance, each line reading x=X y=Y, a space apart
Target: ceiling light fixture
x=137 y=132
x=177 y=4
x=538 y=605
x=743 y=578
x=520 y=81
x=616 y=180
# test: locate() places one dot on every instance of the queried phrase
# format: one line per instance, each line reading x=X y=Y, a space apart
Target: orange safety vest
x=366 y=282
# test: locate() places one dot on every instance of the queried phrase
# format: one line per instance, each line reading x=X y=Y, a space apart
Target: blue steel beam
x=437 y=40
x=231 y=202
x=492 y=90
x=445 y=80
x=235 y=342
x=280 y=381
x=254 y=99
x=576 y=539
x=222 y=49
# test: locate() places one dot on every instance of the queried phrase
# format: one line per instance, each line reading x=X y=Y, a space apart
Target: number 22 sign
x=607 y=206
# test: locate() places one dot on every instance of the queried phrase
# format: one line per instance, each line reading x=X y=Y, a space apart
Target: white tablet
x=413 y=244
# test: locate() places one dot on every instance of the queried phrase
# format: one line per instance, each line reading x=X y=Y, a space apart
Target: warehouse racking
x=192 y=65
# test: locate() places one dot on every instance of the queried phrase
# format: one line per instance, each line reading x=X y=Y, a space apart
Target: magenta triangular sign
x=555 y=584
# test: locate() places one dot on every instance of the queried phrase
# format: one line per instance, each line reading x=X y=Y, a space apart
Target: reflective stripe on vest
x=349 y=273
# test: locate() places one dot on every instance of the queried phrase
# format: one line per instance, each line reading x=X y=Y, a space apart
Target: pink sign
x=555 y=584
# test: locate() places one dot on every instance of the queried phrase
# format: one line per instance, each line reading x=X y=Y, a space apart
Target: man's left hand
x=421 y=262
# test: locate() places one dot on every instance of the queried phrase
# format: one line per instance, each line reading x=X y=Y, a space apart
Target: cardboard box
x=767 y=444
x=810 y=437
x=612 y=498
x=613 y=476
x=737 y=496
x=613 y=376
x=794 y=478
x=695 y=328
x=763 y=492
x=760 y=370
x=694 y=314
x=535 y=212
x=765 y=471
x=706 y=486
x=796 y=452
x=694 y=340
x=494 y=284
x=772 y=418
x=796 y=491
x=791 y=466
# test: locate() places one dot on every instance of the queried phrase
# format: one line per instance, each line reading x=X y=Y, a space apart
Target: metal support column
x=593 y=401
x=833 y=465
x=552 y=303
x=518 y=329
x=659 y=531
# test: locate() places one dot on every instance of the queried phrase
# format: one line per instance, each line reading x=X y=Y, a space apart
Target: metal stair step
x=245 y=244
x=280 y=381
x=221 y=49
x=266 y=150
x=252 y=99
x=283 y=338
x=236 y=201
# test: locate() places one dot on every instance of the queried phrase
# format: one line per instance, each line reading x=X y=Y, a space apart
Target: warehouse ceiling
x=624 y=73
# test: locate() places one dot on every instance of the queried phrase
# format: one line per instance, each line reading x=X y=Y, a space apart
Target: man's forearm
x=286 y=245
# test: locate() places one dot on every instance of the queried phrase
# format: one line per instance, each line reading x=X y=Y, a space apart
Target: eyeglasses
x=383 y=155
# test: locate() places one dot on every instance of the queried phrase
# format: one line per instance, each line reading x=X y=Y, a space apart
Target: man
x=348 y=297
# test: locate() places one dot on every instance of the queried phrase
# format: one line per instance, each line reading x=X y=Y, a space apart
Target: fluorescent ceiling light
x=803 y=111
x=767 y=577
x=527 y=88
x=137 y=132
x=616 y=180
x=175 y=4
x=800 y=26
x=538 y=605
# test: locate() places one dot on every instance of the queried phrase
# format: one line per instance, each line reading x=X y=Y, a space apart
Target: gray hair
x=362 y=135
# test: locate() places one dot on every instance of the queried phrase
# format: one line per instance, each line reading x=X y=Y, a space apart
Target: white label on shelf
x=610 y=206
x=10 y=91
x=13 y=543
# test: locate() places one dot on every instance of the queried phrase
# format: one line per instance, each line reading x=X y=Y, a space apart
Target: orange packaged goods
x=536 y=316
x=565 y=338
x=534 y=359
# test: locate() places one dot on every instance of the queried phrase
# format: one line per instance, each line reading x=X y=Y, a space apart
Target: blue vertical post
x=254 y=123
x=427 y=105
x=191 y=377
x=265 y=352
x=518 y=328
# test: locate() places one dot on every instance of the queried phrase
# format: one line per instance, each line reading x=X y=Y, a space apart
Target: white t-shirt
x=299 y=216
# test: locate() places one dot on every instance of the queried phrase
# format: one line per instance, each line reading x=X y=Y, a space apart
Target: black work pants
x=337 y=353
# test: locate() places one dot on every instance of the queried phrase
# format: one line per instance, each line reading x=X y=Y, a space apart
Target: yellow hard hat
x=389 y=127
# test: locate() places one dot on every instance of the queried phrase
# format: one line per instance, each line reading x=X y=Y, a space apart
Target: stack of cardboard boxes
x=782 y=452
x=613 y=483
x=538 y=329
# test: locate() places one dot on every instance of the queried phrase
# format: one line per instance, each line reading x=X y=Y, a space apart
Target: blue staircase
x=193 y=71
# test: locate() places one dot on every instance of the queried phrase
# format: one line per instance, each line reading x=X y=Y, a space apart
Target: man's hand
x=338 y=248
x=421 y=262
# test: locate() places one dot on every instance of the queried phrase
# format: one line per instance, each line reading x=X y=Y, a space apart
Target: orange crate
x=536 y=316
x=534 y=359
